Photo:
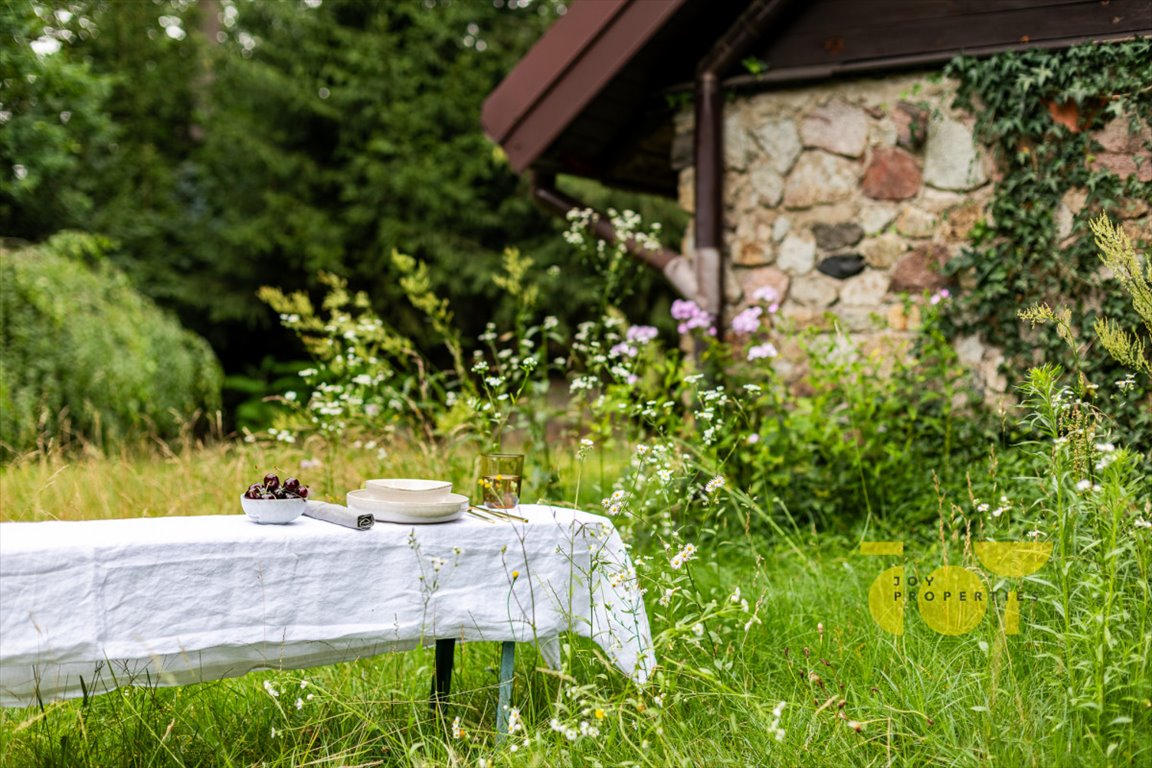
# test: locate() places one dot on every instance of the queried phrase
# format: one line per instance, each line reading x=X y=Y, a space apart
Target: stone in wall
x=836 y=127
x=1118 y=137
x=737 y=144
x=892 y=174
x=683 y=147
x=833 y=237
x=686 y=192
x=765 y=185
x=752 y=253
x=1131 y=208
x=902 y=318
x=884 y=251
x=958 y=221
x=797 y=255
x=856 y=318
x=765 y=277
x=779 y=143
x=1138 y=230
x=938 y=200
x=916 y=223
x=911 y=122
x=753 y=245
x=865 y=290
x=875 y=217
x=780 y=228
x=842 y=266
x=815 y=290
x=803 y=315
x=920 y=270
x=1124 y=166
x=820 y=177
x=951 y=158
x=991 y=371
x=969 y=350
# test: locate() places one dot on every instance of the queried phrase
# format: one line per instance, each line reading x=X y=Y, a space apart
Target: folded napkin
x=334 y=513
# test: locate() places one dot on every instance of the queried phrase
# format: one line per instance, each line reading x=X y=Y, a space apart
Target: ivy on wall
x=1038 y=111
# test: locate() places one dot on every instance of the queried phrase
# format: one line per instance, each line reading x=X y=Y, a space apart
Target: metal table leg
x=442 y=676
x=504 y=702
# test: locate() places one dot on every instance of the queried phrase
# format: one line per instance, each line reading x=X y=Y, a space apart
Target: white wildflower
x=714 y=484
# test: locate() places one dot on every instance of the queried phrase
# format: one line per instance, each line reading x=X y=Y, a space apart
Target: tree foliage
x=227 y=145
x=87 y=358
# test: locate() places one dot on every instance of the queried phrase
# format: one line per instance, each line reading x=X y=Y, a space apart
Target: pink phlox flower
x=641 y=334
x=761 y=351
x=748 y=321
x=685 y=309
x=767 y=294
x=691 y=315
x=623 y=349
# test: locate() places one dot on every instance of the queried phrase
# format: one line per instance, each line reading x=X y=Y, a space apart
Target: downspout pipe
x=708 y=149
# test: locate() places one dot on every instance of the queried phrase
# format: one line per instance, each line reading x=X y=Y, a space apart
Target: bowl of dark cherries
x=272 y=502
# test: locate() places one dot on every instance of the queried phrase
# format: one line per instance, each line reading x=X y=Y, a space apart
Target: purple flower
x=623 y=349
x=642 y=334
x=761 y=351
x=685 y=309
x=940 y=295
x=691 y=314
x=767 y=294
x=747 y=321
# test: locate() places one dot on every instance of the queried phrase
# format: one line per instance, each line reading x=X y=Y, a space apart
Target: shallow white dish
x=408 y=489
x=450 y=507
x=273 y=511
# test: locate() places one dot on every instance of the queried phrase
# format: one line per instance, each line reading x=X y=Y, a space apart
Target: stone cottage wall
x=847 y=198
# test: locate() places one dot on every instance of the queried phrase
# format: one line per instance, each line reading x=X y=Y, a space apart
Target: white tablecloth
x=167 y=601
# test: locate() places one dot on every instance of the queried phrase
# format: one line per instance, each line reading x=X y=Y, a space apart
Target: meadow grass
x=852 y=694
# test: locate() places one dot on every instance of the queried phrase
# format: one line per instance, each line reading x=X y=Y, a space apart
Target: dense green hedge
x=84 y=356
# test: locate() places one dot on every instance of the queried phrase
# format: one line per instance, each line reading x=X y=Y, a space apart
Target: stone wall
x=847 y=198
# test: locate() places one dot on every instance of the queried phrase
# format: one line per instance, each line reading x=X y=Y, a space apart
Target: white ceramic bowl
x=408 y=490
x=449 y=507
x=273 y=511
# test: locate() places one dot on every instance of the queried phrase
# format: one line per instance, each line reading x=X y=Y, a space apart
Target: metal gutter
x=708 y=148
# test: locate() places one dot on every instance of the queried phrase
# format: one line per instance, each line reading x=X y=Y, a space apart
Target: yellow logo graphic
x=952 y=599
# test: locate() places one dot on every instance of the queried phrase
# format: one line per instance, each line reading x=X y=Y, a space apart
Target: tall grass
x=852 y=694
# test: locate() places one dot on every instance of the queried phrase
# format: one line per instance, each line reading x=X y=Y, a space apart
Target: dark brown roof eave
x=565 y=70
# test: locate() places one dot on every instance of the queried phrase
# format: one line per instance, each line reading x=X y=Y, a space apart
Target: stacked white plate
x=405 y=500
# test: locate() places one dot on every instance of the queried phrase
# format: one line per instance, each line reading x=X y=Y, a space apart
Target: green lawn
x=798 y=631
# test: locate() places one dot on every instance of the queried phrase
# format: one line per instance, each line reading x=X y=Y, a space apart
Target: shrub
x=86 y=357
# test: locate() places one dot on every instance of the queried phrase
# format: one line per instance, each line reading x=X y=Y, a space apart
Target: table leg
x=504 y=701
x=442 y=676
